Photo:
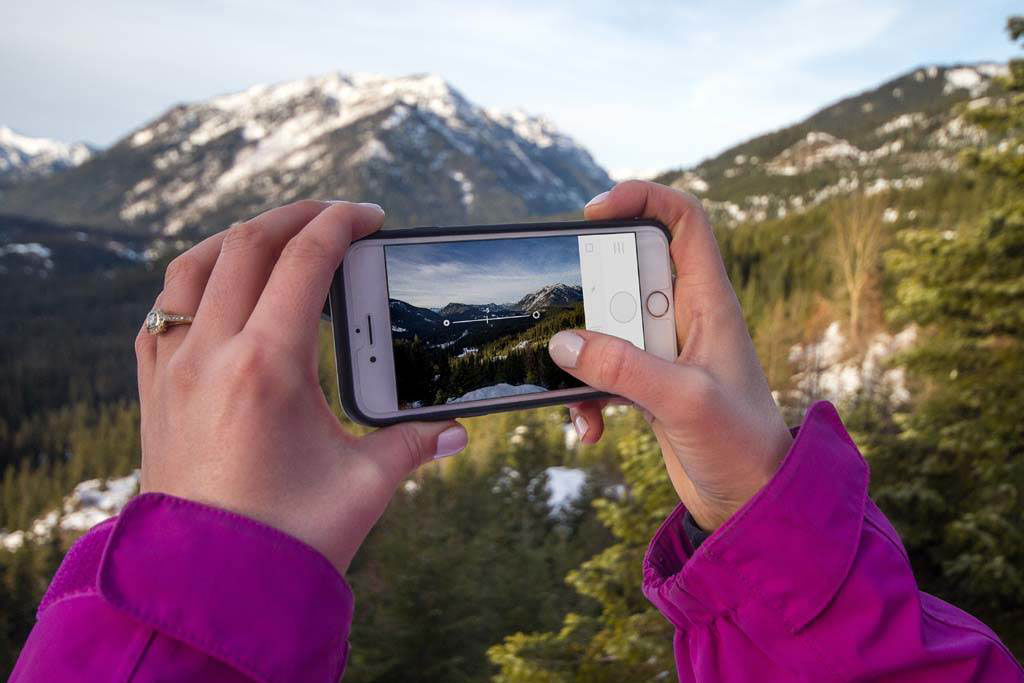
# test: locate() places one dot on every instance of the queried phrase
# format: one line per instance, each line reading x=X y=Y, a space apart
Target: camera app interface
x=471 y=320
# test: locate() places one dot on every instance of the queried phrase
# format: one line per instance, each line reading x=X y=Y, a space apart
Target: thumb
x=402 y=448
x=614 y=365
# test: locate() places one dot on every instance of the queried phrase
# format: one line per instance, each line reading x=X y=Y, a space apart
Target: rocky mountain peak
x=413 y=144
x=893 y=136
x=23 y=157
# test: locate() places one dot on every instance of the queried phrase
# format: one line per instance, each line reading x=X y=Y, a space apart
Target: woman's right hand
x=720 y=431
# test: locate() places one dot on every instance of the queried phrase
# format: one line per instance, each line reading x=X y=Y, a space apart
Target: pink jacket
x=808 y=581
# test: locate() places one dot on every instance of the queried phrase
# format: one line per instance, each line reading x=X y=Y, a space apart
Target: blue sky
x=644 y=84
x=480 y=271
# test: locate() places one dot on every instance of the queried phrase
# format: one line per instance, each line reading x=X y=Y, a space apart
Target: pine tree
x=625 y=639
x=950 y=472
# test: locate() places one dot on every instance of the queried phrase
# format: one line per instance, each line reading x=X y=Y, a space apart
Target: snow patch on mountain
x=466 y=185
x=816 y=148
x=691 y=182
x=24 y=157
x=33 y=251
x=550 y=296
x=829 y=370
x=346 y=133
x=901 y=122
x=499 y=390
x=564 y=486
x=974 y=79
x=90 y=503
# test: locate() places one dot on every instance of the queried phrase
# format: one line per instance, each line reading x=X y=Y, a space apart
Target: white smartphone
x=435 y=323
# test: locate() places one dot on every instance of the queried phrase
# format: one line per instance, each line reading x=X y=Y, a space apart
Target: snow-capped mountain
x=894 y=136
x=23 y=157
x=551 y=296
x=415 y=145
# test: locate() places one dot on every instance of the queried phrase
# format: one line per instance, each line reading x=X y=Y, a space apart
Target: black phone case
x=343 y=354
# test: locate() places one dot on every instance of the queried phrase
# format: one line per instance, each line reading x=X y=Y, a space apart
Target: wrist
x=710 y=512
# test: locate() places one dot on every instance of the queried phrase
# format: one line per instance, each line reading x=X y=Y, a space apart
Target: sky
x=645 y=85
x=480 y=271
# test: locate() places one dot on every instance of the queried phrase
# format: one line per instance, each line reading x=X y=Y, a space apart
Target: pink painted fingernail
x=451 y=441
x=581 y=425
x=565 y=348
x=599 y=198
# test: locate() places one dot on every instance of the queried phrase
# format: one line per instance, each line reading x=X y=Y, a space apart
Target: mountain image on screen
x=466 y=352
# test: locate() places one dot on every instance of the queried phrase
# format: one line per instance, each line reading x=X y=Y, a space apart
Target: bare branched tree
x=858 y=223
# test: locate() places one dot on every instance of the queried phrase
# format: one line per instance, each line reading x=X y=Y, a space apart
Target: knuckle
x=306 y=247
x=415 y=447
x=698 y=394
x=182 y=269
x=249 y=362
x=181 y=372
x=308 y=205
x=615 y=363
x=635 y=185
x=244 y=236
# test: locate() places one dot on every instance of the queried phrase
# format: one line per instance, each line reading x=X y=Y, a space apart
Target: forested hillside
x=429 y=375
x=519 y=560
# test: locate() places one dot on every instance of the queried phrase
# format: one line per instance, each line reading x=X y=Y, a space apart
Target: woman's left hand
x=232 y=410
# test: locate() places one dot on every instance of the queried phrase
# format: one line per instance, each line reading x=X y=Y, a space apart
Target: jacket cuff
x=790 y=547
x=235 y=589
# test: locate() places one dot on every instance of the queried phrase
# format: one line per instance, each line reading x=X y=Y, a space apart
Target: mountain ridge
x=23 y=157
x=895 y=135
x=414 y=144
x=408 y=320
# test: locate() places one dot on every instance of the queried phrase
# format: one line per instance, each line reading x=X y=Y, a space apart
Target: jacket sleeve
x=172 y=590
x=810 y=582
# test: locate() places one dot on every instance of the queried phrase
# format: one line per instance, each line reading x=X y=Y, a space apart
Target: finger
x=400 y=449
x=184 y=281
x=694 y=249
x=616 y=366
x=588 y=420
x=145 y=361
x=290 y=305
x=247 y=255
x=702 y=285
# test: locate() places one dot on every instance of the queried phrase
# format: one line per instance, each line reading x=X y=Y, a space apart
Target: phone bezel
x=345 y=358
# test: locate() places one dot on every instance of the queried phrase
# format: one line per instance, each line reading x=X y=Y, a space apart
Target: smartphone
x=436 y=323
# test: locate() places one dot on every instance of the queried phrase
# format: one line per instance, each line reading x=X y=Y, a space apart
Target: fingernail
x=599 y=198
x=565 y=348
x=451 y=441
x=581 y=425
x=371 y=205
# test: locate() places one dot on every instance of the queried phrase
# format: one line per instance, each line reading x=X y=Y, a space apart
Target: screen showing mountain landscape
x=477 y=315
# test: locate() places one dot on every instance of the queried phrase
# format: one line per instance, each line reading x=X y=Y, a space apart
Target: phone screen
x=471 y=319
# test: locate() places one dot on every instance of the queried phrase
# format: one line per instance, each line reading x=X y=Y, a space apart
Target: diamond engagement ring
x=158 y=321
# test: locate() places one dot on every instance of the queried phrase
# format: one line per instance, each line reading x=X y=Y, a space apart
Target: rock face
x=414 y=145
x=552 y=296
x=894 y=136
x=23 y=158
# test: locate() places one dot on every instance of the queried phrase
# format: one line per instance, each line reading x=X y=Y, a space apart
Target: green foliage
x=24 y=576
x=627 y=640
x=468 y=552
x=950 y=471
